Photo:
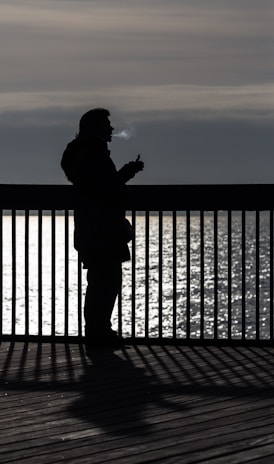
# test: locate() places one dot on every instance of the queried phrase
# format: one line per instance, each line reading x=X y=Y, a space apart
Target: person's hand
x=129 y=170
x=134 y=167
x=139 y=165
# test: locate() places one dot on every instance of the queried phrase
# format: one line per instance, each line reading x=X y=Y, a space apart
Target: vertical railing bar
x=120 y=308
x=1 y=272
x=53 y=273
x=147 y=274
x=160 y=288
x=188 y=274
x=257 y=275
x=26 y=272
x=271 y=256
x=243 y=274
x=120 y=315
x=13 y=232
x=40 y=283
x=133 y=274
x=174 y=253
x=66 y=323
x=202 y=275
x=216 y=277
x=229 y=272
x=79 y=296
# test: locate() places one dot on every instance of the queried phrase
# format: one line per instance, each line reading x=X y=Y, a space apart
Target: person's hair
x=91 y=120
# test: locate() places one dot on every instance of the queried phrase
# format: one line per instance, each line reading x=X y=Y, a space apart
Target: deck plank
x=160 y=404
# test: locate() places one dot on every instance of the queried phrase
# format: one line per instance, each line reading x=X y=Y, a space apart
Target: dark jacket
x=100 y=199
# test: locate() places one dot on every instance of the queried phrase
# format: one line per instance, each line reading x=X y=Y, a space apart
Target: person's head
x=96 y=124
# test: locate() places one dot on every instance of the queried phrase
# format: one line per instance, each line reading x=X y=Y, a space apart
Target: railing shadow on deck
x=201 y=270
x=167 y=379
x=142 y=404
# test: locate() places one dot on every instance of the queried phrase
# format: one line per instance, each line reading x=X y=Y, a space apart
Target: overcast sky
x=192 y=80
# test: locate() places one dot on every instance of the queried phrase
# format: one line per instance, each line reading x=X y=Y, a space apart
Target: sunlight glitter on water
x=147 y=300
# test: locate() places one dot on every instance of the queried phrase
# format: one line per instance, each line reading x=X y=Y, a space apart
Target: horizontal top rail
x=147 y=197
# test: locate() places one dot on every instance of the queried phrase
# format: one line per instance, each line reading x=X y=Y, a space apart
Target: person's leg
x=104 y=282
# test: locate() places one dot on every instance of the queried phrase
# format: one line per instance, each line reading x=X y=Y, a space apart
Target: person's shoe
x=109 y=339
x=114 y=340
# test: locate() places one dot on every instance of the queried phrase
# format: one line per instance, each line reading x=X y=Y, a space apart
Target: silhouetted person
x=101 y=233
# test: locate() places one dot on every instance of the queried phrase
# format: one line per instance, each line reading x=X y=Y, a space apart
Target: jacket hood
x=70 y=160
x=78 y=153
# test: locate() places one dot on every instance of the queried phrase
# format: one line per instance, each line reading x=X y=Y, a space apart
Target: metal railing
x=201 y=268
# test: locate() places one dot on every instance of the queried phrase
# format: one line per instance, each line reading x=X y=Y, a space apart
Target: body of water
x=149 y=277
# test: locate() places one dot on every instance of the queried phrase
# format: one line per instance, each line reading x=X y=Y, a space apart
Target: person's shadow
x=114 y=393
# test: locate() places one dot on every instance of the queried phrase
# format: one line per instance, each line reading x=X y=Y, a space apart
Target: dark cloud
x=193 y=76
x=175 y=151
x=179 y=152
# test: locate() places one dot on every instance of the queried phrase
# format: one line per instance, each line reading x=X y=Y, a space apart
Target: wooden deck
x=141 y=404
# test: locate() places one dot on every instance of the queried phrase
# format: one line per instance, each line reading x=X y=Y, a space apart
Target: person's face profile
x=106 y=130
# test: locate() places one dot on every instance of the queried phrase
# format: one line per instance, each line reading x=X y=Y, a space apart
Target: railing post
x=188 y=325
x=133 y=274
x=1 y=272
x=202 y=279
x=243 y=275
x=257 y=267
x=27 y=272
x=216 y=278
x=13 y=242
x=40 y=276
x=229 y=275
x=66 y=313
x=160 y=276
x=174 y=258
x=146 y=274
x=271 y=274
x=53 y=272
